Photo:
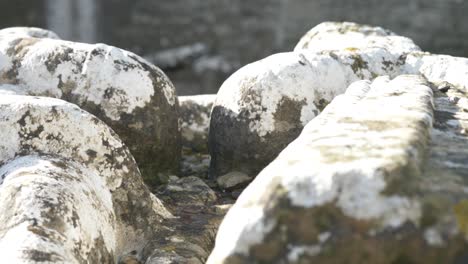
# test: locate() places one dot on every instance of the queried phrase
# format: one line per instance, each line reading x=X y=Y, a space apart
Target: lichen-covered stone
x=132 y=96
x=195 y=120
x=438 y=69
x=347 y=35
x=262 y=107
x=354 y=187
x=23 y=32
x=71 y=191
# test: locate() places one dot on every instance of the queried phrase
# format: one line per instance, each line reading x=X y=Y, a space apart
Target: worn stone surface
x=439 y=69
x=189 y=237
x=132 y=96
x=24 y=32
x=71 y=190
x=348 y=35
x=195 y=114
x=264 y=106
x=359 y=192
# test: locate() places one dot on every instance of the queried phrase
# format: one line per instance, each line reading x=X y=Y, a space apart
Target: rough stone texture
x=264 y=106
x=189 y=237
x=71 y=190
x=439 y=68
x=132 y=96
x=195 y=114
x=27 y=32
x=352 y=188
x=348 y=35
x=233 y=179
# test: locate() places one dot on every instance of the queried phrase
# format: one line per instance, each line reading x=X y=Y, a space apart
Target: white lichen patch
x=297 y=251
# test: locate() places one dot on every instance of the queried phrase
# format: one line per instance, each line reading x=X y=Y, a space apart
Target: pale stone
x=130 y=95
x=71 y=190
x=233 y=179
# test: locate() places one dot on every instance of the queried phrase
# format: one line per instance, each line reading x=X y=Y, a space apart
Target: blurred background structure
x=199 y=43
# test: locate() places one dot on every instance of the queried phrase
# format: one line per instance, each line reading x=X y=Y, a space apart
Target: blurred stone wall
x=200 y=43
x=22 y=13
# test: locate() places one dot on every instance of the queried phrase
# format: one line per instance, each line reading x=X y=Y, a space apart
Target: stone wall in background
x=200 y=43
x=21 y=12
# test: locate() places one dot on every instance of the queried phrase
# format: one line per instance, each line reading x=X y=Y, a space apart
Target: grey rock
x=192 y=190
x=132 y=96
x=233 y=179
x=189 y=236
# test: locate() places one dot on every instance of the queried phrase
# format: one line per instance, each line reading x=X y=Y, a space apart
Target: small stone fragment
x=444 y=87
x=233 y=179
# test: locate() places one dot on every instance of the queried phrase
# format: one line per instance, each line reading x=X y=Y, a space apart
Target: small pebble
x=454 y=99
x=444 y=87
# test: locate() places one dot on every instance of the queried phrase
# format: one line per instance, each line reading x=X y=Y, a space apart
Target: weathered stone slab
x=71 y=191
x=129 y=94
x=353 y=187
